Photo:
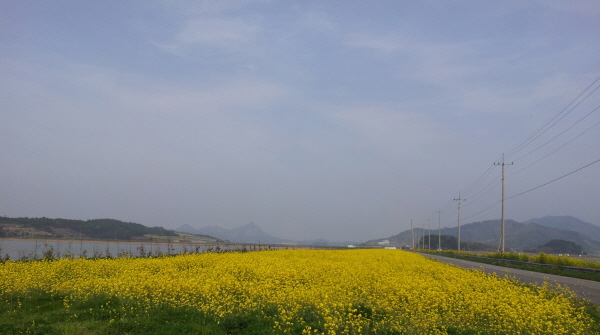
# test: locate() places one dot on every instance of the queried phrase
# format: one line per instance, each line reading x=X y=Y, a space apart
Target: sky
x=341 y=120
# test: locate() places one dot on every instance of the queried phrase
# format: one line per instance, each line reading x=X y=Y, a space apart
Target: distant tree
x=448 y=242
x=561 y=247
x=107 y=229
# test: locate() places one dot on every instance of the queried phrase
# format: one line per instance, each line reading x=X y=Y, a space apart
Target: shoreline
x=240 y=245
x=56 y=240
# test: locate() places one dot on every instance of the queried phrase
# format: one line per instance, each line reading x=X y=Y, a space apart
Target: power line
x=487 y=189
x=555 y=122
x=479 y=192
x=468 y=217
x=562 y=132
x=481 y=179
x=562 y=146
x=570 y=173
x=531 y=137
x=535 y=188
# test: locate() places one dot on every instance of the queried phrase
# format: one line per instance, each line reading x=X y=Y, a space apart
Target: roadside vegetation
x=530 y=262
x=278 y=292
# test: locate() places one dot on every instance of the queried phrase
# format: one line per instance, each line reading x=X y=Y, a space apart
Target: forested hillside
x=106 y=229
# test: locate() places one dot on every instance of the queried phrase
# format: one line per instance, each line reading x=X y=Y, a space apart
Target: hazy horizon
x=336 y=120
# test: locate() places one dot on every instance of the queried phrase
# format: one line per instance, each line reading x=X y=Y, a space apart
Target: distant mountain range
x=569 y=223
x=249 y=233
x=519 y=236
x=484 y=235
x=252 y=233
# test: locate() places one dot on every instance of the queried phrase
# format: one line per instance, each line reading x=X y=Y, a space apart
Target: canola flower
x=314 y=291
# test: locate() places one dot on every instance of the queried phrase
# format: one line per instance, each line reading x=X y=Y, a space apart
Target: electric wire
x=480 y=180
x=470 y=216
x=562 y=146
x=486 y=189
x=555 y=122
x=532 y=189
x=562 y=132
x=561 y=177
x=529 y=139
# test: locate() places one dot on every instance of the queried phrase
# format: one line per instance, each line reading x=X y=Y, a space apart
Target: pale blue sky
x=313 y=119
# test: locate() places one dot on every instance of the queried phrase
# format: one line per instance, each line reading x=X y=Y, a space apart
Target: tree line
x=106 y=229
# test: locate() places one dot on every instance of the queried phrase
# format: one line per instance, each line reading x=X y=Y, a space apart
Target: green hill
x=519 y=236
x=569 y=223
x=101 y=229
x=558 y=247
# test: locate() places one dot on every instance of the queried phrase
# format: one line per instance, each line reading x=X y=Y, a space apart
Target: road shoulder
x=585 y=289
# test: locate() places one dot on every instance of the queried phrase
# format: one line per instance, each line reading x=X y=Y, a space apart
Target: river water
x=37 y=249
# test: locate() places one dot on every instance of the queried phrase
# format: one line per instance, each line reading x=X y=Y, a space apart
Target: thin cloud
x=217 y=32
x=225 y=33
x=377 y=43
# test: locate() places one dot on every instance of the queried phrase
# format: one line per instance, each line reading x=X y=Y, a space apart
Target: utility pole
x=419 y=243
x=440 y=230
x=459 y=200
x=412 y=231
x=423 y=230
x=418 y=238
x=429 y=237
x=502 y=229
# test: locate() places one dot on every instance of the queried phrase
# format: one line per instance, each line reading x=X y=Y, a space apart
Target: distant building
x=384 y=242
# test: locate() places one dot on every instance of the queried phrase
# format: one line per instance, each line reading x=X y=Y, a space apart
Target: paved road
x=587 y=289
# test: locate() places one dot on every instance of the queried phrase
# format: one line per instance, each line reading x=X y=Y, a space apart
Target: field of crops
x=285 y=291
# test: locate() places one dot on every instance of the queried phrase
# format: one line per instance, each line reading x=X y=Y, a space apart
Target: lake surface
x=36 y=249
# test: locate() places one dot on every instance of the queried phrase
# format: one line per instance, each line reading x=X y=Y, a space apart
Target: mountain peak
x=250 y=229
x=528 y=234
x=248 y=233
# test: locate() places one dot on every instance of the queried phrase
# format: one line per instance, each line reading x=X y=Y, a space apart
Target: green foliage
x=104 y=229
x=523 y=257
x=562 y=247
x=448 y=242
x=543 y=258
x=563 y=260
x=530 y=267
x=44 y=313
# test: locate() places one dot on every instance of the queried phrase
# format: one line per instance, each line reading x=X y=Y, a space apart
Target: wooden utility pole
x=459 y=200
x=419 y=238
x=502 y=227
x=412 y=231
x=423 y=238
x=440 y=230
x=429 y=237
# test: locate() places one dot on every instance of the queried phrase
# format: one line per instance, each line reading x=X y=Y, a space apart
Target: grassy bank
x=555 y=261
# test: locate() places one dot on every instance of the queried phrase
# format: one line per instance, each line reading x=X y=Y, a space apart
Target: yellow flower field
x=317 y=291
